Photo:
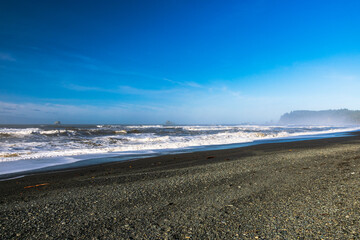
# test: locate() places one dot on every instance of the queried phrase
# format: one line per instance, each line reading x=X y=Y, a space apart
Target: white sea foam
x=37 y=147
x=18 y=131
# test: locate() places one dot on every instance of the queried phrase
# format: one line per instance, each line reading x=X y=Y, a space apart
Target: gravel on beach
x=295 y=190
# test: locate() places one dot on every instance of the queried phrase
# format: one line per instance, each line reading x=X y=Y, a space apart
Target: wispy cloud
x=56 y=52
x=66 y=59
x=225 y=90
x=121 y=90
x=139 y=91
x=86 y=88
x=7 y=57
x=186 y=83
x=342 y=77
x=71 y=59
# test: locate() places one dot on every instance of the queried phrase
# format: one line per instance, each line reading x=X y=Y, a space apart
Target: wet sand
x=307 y=189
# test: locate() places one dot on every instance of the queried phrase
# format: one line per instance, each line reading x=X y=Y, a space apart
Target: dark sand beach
x=296 y=190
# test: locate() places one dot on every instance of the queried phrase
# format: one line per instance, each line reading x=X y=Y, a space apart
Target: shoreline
x=97 y=161
x=178 y=159
x=285 y=190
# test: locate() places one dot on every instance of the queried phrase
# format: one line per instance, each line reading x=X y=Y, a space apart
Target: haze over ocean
x=203 y=62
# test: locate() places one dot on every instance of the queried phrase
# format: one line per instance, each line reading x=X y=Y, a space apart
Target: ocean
x=31 y=147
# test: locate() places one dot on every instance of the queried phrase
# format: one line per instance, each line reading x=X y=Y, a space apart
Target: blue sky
x=185 y=61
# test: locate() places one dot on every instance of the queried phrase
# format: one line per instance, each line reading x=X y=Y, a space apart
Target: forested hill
x=325 y=117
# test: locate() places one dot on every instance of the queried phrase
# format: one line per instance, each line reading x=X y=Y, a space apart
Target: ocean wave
x=118 y=138
x=18 y=131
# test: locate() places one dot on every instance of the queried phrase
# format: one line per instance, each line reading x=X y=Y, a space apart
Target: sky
x=190 y=62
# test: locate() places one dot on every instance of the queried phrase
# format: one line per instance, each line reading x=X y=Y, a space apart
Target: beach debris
x=209 y=157
x=37 y=185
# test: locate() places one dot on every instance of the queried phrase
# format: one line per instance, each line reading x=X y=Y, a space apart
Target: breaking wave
x=46 y=141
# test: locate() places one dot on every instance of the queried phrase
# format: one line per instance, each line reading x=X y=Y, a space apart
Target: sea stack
x=169 y=123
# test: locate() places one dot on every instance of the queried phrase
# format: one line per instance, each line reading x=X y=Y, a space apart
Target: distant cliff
x=325 y=117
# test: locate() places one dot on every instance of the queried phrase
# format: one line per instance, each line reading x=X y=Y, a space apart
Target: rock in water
x=169 y=123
